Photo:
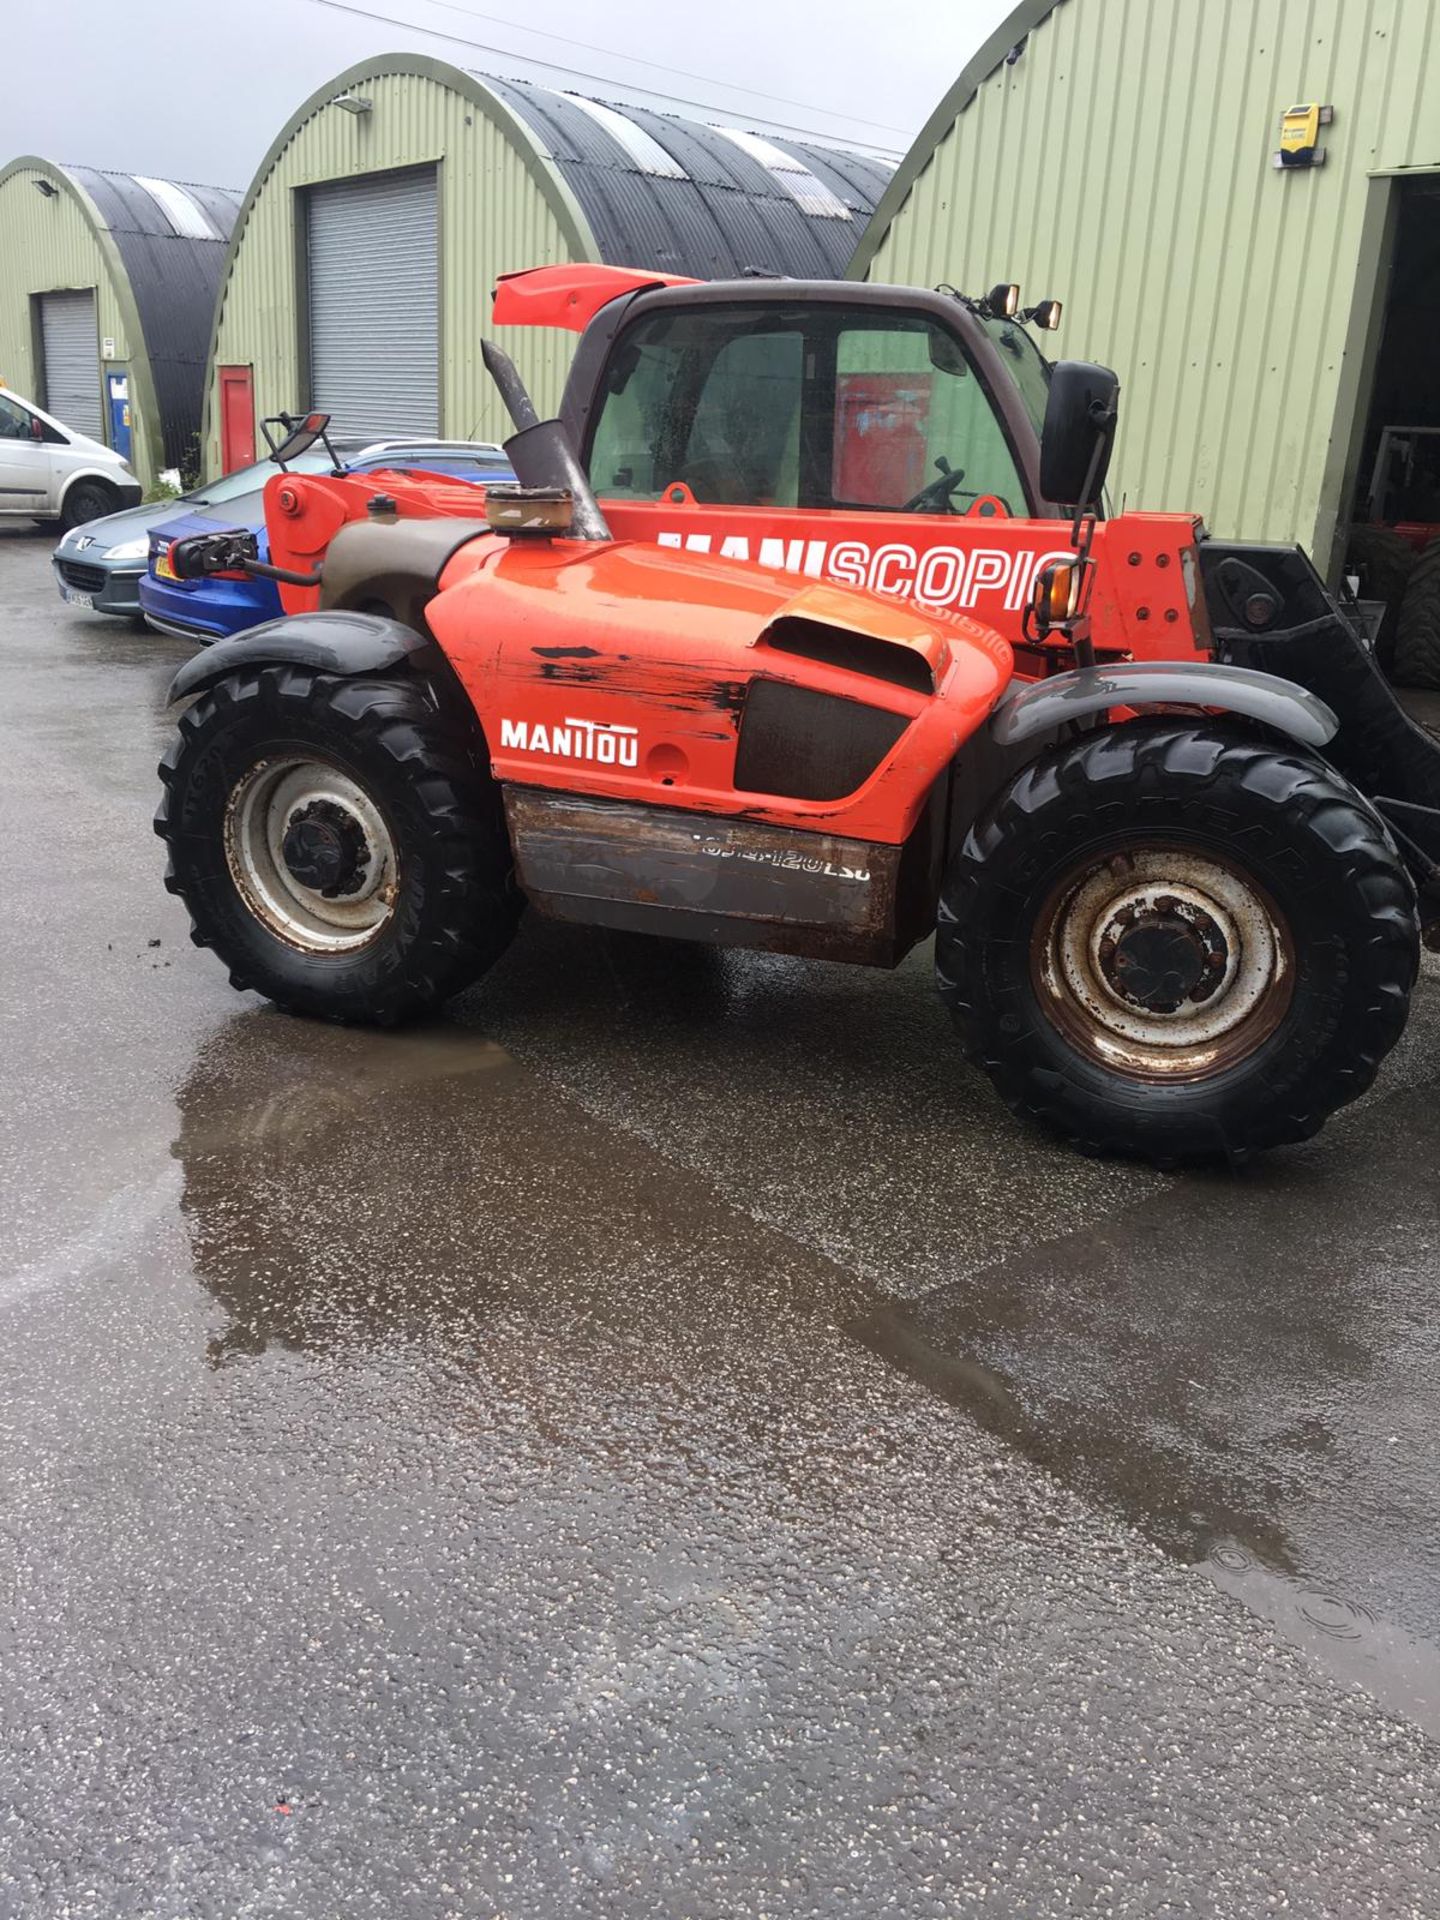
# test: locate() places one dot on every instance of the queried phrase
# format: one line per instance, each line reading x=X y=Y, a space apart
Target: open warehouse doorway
x=1394 y=547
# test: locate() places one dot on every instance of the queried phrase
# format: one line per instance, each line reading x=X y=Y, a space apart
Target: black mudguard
x=340 y=642
x=1307 y=638
x=1029 y=712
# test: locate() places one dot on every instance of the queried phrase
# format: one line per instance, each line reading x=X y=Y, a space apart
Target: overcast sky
x=197 y=89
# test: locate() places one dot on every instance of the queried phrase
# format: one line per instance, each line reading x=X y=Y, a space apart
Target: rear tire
x=1417 y=640
x=1250 y=897
x=1383 y=559
x=339 y=842
x=87 y=500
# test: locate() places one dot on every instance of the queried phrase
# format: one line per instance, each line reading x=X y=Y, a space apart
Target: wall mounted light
x=353 y=103
x=47 y=187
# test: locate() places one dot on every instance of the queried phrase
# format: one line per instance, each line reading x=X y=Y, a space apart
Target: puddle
x=1401 y=1672
x=1242 y=1368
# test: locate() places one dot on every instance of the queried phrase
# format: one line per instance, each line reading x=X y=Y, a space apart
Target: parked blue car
x=212 y=609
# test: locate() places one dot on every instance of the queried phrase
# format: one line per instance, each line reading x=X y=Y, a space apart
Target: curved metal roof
x=171 y=239
x=1007 y=42
x=681 y=196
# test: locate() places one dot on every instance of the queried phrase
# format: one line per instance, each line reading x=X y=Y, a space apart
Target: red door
x=237 y=418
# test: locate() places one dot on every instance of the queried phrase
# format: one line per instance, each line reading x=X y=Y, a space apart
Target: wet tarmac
x=661 y=1441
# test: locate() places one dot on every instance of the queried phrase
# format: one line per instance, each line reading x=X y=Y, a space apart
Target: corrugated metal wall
x=47 y=244
x=1123 y=163
x=493 y=220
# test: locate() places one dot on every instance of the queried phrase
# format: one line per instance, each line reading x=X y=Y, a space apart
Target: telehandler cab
x=805 y=631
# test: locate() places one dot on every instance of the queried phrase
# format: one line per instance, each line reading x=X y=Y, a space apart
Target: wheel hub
x=311 y=854
x=325 y=849
x=1163 y=954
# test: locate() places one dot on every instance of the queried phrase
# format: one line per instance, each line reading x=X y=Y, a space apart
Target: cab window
x=913 y=425
x=709 y=398
x=809 y=406
x=15 y=422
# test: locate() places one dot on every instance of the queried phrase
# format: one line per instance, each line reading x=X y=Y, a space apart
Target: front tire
x=87 y=500
x=1177 y=942
x=339 y=842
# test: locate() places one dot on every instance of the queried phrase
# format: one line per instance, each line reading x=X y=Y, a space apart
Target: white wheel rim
x=274 y=806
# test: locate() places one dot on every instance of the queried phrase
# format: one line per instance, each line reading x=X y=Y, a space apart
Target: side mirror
x=1079 y=433
x=203 y=554
x=299 y=437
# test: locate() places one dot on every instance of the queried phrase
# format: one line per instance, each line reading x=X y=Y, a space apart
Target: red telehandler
x=805 y=630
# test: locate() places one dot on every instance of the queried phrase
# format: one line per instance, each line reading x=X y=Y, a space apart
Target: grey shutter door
x=72 y=361
x=373 y=269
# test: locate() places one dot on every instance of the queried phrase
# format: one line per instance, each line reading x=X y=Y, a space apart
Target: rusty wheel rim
x=311 y=855
x=1161 y=963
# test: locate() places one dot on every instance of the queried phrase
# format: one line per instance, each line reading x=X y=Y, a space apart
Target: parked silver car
x=99 y=566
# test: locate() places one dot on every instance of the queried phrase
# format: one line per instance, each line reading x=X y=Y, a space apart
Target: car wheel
x=88 y=500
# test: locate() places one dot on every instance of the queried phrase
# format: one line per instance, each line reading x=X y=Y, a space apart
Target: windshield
x=817 y=406
x=249 y=479
x=1029 y=368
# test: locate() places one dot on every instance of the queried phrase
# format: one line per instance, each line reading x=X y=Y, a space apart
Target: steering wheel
x=936 y=497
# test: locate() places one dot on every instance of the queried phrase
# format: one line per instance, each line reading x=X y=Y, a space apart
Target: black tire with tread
x=1417 y=636
x=1384 y=560
x=425 y=767
x=88 y=500
x=1317 y=848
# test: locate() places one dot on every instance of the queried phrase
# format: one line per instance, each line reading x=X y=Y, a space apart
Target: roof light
x=1003 y=301
x=647 y=153
x=185 y=215
x=810 y=193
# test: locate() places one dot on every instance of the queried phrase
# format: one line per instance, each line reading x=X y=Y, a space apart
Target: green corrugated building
x=1267 y=321
x=361 y=269
x=107 y=287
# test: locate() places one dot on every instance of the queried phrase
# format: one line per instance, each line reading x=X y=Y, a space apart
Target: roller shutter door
x=374 y=305
x=72 y=361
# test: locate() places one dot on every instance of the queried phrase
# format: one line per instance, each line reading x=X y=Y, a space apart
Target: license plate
x=163 y=568
x=77 y=599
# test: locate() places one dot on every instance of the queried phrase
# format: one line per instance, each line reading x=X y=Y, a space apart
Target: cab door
x=852 y=443
x=26 y=460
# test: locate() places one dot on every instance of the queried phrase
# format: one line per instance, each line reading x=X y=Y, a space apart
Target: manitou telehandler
x=805 y=630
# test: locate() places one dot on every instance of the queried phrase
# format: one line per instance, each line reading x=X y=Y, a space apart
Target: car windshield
x=232 y=486
x=453 y=464
x=244 y=509
x=1029 y=368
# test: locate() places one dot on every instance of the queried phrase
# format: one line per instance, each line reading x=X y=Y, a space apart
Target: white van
x=50 y=472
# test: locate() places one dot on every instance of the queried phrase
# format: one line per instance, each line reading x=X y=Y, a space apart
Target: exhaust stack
x=540 y=450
